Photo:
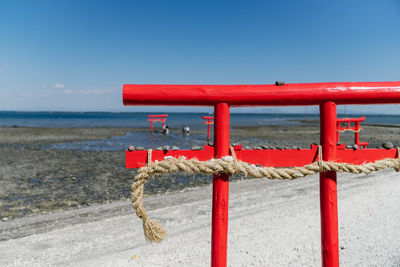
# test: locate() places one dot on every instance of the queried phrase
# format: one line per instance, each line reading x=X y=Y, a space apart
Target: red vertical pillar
x=151 y=125
x=328 y=188
x=208 y=130
x=337 y=132
x=219 y=235
x=357 y=133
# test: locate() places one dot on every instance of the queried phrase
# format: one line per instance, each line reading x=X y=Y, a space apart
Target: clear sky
x=75 y=55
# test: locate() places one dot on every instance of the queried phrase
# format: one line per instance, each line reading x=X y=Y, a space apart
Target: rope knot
x=320 y=160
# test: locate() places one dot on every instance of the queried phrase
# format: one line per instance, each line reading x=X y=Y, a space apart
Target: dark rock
x=131 y=148
x=166 y=147
x=355 y=147
x=387 y=145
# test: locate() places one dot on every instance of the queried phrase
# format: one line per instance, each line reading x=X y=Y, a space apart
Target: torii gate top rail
x=263 y=95
x=326 y=95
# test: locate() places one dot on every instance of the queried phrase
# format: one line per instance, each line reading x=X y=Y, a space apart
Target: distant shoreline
x=363 y=123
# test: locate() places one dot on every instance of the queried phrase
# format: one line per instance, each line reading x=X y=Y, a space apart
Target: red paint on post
x=219 y=235
x=328 y=188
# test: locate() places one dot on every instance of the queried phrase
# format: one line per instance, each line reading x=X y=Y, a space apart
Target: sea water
x=148 y=139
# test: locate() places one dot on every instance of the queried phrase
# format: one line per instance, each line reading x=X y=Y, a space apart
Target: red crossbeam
x=351 y=119
x=266 y=157
x=162 y=120
x=263 y=95
x=157 y=116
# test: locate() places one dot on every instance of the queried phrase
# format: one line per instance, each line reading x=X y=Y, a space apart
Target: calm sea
x=175 y=120
x=145 y=138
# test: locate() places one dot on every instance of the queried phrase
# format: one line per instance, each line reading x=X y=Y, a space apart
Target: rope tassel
x=155 y=232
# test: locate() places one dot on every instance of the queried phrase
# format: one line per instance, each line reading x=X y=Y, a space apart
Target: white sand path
x=271 y=223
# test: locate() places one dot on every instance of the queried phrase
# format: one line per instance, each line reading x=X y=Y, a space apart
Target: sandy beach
x=271 y=223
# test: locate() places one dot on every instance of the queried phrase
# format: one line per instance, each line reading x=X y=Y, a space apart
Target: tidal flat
x=36 y=178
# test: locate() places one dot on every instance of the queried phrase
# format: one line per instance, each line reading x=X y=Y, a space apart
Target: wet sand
x=36 y=180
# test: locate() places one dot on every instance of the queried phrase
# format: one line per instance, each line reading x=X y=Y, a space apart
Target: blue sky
x=75 y=55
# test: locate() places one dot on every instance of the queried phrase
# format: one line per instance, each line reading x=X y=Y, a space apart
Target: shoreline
x=388 y=125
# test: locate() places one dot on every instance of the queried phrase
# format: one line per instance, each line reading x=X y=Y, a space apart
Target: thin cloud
x=95 y=91
x=89 y=91
x=59 y=85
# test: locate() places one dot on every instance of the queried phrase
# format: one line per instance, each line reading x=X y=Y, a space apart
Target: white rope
x=154 y=231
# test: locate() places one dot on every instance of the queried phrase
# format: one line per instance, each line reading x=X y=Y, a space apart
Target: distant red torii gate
x=222 y=97
x=348 y=127
x=209 y=120
x=161 y=118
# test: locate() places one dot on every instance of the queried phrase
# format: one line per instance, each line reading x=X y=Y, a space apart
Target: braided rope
x=349 y=130
x=154 y=231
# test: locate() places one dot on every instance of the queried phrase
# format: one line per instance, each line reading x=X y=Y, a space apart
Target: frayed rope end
x=153 y=231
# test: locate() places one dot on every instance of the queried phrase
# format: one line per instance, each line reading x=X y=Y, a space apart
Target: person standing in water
x=165 y=129
x=185 y=130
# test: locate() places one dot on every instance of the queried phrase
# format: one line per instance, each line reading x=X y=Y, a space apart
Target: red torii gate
x=356 y=129
x=326 y=95
x=208 y=122
x=162 y=118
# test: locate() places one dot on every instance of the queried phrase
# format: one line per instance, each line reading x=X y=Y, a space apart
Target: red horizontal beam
x=350 y=119
x=154 y=119
x=208 y=117
x=263 y=95
x=266 y=157
x=161 y=116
